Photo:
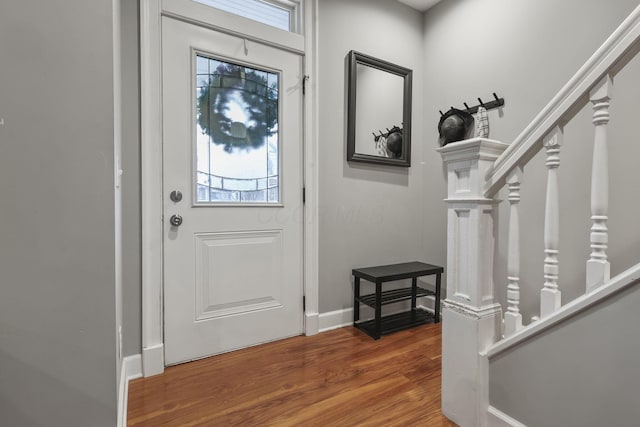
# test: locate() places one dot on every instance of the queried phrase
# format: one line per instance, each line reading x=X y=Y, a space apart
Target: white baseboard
x=427 y=308
x=153 y=360
x=497 y=418
x=122 y=396
x=428 y=303
x=311 y=323
x=133 y=366
x=335 y=319
x=340 y=318
x=130 y=369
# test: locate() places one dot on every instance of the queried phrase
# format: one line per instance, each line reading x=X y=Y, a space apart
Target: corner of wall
x=130 y=369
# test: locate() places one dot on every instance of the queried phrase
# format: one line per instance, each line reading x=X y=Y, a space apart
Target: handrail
x=610 y=58
x=622 y=281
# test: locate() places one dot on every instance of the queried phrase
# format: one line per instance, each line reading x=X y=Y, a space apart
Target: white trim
x=429 y=309
x=117 y=206
x=311 y=155
x=622 y=281
x=130 y=369
x=225 y=22
x=335 y=319
x=117 y=172
x=133 y=366
x=291 y=7
x=608 y=59
x=483 y=390
x=431 y=300
x=123 y=394
x=474 y=148
x=311 y=323
x=151 y=179
x=153 y=360
x=497 y=418
x=340 y=318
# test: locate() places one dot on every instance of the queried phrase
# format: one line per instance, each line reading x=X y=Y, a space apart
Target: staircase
x=497 y=370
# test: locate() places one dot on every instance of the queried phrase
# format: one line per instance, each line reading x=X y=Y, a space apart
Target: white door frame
x=151 y=174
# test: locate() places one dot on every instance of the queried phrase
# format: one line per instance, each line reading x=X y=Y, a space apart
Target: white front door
x=232 y=186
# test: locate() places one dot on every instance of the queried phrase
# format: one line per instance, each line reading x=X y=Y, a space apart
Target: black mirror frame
x=356 y=58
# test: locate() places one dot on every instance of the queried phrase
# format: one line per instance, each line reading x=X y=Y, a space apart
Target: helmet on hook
x=455 y=125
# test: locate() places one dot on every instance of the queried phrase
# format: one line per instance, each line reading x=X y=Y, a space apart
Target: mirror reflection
x=384 y=91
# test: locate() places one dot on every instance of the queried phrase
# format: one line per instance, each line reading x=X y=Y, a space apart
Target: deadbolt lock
x=175 y=196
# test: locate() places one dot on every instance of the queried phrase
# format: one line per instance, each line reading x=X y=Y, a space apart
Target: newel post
x=471 y=319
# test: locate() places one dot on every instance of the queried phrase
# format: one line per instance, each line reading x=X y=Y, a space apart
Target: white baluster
x=598 y=269
x=513 y=318
x=550 y=295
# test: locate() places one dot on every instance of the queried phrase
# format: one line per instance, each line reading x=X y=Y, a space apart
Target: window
x=277 y=13
x=237 y=133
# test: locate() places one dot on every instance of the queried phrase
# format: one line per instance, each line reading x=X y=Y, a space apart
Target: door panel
x=233 y=267
x=216 y=256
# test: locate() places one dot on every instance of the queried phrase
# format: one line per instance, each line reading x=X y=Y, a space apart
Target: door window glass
x=237 y=133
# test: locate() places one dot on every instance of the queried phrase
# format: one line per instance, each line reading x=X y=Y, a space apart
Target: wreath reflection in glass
x=256 y=91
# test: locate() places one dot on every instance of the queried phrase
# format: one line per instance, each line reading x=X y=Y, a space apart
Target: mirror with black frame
x=378 y=111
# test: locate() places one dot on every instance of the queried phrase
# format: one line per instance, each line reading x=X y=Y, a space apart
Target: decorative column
x=550 y=296
x=471 y=319
x=598 y=269
x=513 y=318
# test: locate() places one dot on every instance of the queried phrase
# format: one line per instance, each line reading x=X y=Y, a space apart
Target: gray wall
x=526 y=51
x=131 y=225
x=57 y=262
x=584 y=373
x=369 y=214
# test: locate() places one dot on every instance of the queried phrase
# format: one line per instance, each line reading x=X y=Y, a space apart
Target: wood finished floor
x=337 y=378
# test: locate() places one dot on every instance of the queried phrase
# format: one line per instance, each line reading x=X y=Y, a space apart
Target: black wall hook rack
x=495 y=103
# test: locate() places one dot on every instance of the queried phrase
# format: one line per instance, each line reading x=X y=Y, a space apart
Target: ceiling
x=420 y=5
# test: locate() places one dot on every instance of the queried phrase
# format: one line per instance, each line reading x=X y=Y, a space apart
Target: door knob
x=176 y=220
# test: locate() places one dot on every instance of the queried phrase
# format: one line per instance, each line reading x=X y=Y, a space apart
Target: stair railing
x=477 y=170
